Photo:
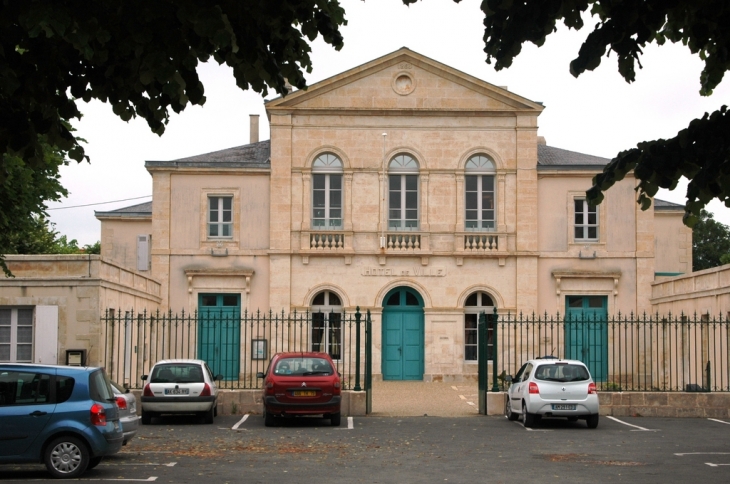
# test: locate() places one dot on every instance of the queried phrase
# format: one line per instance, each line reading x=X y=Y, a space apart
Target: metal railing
x=237 y=346
x=624 y=353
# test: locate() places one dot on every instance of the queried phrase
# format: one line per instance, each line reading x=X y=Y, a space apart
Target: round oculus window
x=403 y=83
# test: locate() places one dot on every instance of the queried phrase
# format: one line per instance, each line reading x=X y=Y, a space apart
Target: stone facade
x=402 y=105
x=67 y=295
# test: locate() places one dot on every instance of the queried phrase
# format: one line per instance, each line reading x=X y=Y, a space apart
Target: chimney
x=541 y=140
x=254 y=130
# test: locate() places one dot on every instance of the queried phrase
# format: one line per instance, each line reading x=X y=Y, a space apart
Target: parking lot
x=410 y=449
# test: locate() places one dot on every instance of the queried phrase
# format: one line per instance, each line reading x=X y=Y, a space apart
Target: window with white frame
x=403 y=193
x=220 y=217
x=327 y=192
x=479 y=193
x=16 y=335
x=585 y=221
x=475 y=304
x=326 y=330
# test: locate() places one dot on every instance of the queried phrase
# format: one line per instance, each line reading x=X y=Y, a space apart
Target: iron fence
x=235 y=345
x=624 y=353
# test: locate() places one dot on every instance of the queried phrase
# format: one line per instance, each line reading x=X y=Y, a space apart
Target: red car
x=297 y=384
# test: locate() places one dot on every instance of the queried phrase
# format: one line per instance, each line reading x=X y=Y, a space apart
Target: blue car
x=63 y=416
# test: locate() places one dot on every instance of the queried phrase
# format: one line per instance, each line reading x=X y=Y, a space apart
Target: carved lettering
x=405 y=65
x=412 y=272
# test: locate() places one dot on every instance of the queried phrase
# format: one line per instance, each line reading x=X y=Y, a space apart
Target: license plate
x=563 y=407
x=305 y=393
x=177 y=391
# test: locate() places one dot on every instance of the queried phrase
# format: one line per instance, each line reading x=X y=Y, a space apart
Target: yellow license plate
x=305 y=393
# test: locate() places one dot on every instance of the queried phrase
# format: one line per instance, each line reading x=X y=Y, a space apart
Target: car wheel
x=508 y=410
x=335 y=419
x=592 y=421
x=215 y=411
x=269 y=420
x=93 y=462
x=66 y=457
x=528 y=419
x=208 y=416
x=146 y=418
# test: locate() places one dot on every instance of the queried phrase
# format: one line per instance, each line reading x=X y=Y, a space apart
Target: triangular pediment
x=405 y=80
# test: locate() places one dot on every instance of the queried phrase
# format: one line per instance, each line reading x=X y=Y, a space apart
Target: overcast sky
x=598 y=113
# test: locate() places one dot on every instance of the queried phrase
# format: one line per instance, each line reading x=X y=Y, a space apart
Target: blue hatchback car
x=63 y=416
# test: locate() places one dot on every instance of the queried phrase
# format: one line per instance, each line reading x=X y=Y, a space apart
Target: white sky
x=598 y=113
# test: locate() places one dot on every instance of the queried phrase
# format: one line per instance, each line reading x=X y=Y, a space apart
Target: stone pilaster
x=161 y=192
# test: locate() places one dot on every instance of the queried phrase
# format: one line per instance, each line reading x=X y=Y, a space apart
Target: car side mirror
x=339 y=374
x=144 y=377
x=218 y=377
x=260 y=374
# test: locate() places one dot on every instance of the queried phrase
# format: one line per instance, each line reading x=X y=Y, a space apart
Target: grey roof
x=551 y=157
x=139 y=210
x=667 y=206
x=254 y=155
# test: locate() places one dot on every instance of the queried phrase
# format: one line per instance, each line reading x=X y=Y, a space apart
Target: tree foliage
x=710 y=242
x=23 y=193
x=141 y=58
x=701 y=152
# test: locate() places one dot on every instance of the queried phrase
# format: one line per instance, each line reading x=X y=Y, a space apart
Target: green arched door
x=403 y=335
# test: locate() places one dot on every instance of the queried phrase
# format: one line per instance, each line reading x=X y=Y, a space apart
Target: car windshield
x=562 y=372
x=303 y=365
x=177 y=373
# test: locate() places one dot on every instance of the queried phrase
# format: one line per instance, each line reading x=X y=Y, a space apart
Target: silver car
x=180 y=387
x=550 y=387
x=128 y=417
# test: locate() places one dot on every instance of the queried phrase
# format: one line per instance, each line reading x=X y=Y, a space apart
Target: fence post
x=368 y=364
x=482 y=362
x=495 y=387
x=357 y=350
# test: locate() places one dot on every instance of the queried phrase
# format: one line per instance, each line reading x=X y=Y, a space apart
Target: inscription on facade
x=404 y=271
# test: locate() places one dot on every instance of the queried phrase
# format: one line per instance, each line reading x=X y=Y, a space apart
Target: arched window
x=479 y=192
x=326 y=330
x=327 y=192
x=403 y=193
x=475 y=304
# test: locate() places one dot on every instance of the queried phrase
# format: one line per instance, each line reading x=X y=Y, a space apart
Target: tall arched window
x=326 y=330
x=327 y=192
x=475 y=304
x=480 y=196
x=403 y=193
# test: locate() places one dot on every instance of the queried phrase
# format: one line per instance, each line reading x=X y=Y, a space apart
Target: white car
x=551 y=387
x=180 y=387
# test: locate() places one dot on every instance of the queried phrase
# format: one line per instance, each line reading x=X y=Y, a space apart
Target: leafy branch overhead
x=141 y=58
x=701 y=152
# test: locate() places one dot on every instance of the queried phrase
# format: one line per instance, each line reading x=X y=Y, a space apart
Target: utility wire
x=99 y=203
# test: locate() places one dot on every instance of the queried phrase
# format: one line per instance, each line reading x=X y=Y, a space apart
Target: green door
x=219 y=333
x=586 y=333
x=403 y=335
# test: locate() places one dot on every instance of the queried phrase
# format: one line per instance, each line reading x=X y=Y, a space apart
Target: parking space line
x=721 y=421
x=716 y=465
x=235 y=427
x=157 y=464
x=529 y=429
x=350 y=423
x=149 y=479
x=703 y=453
x=639 y=429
